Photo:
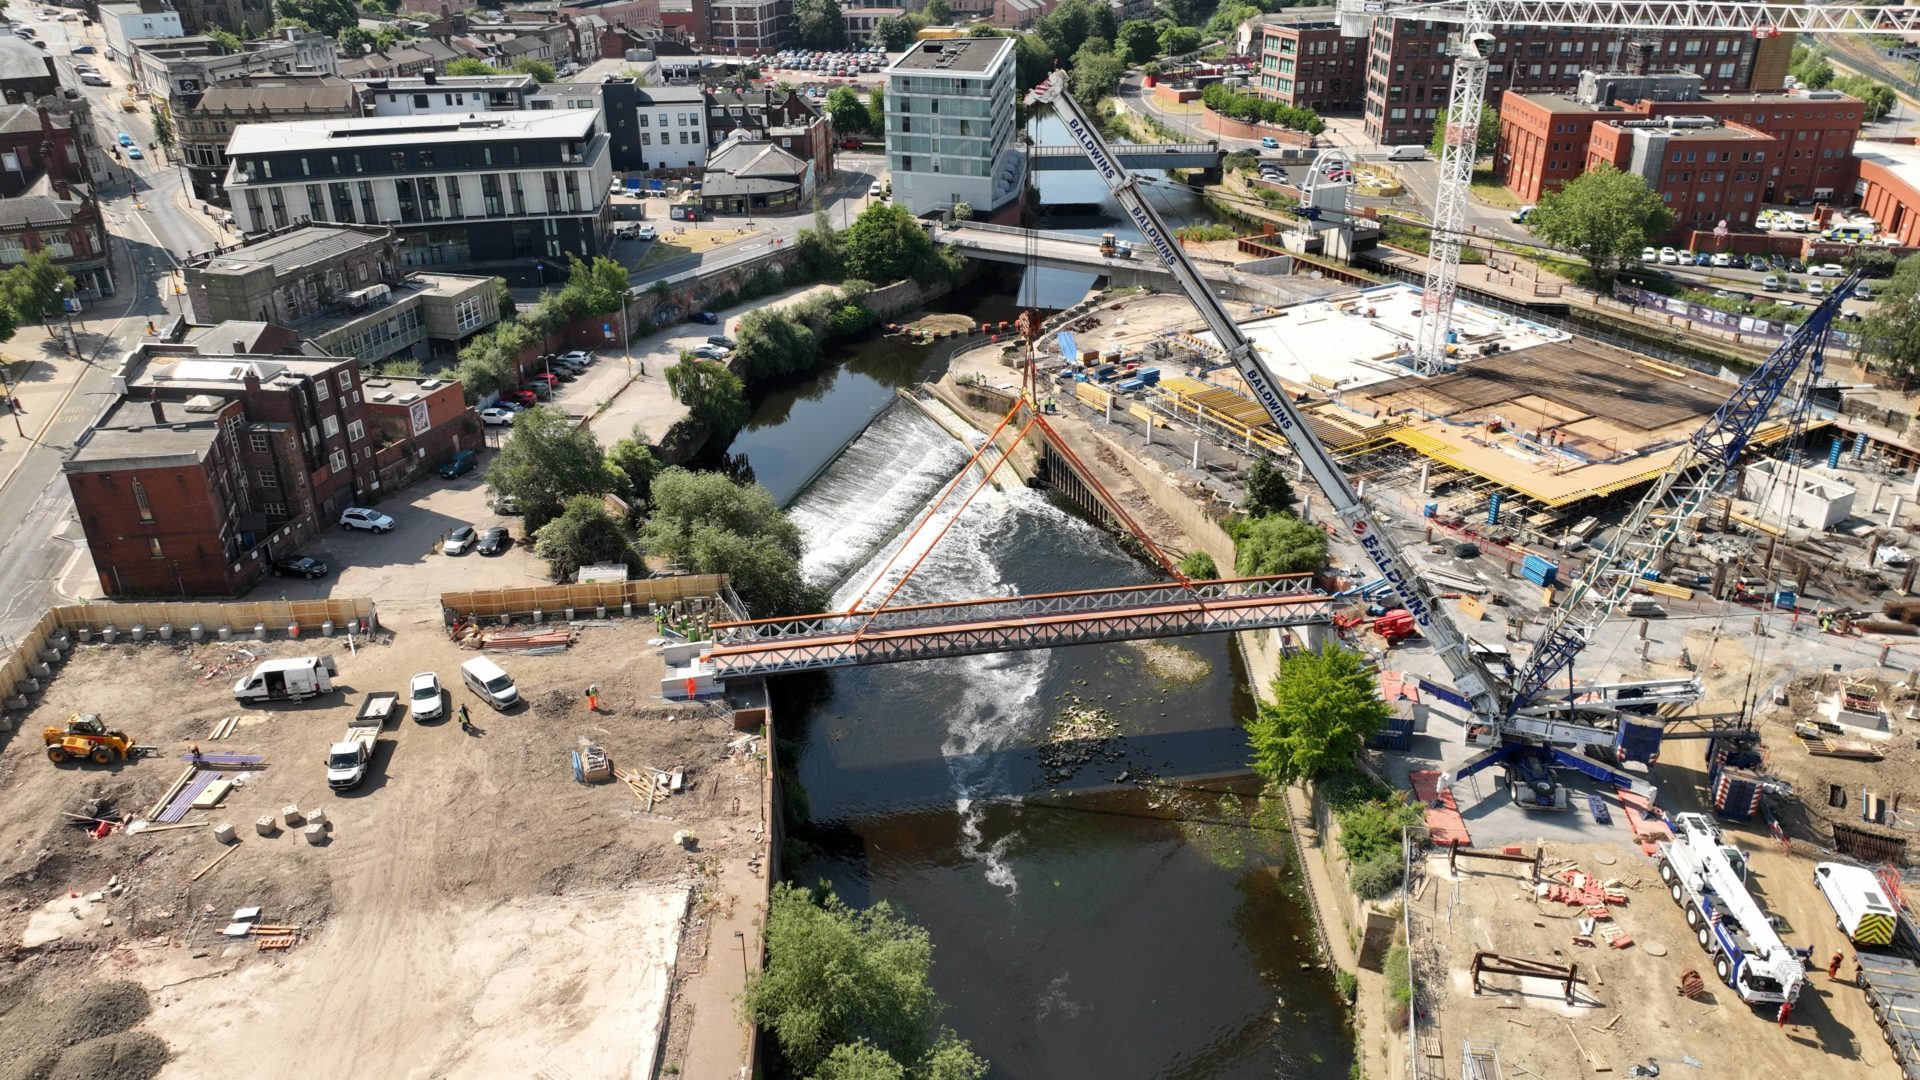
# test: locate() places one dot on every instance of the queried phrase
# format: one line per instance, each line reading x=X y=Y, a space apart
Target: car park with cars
x=359 y=517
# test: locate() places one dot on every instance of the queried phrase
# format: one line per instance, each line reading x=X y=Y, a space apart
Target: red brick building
x=1544 y=138
x=1309 y=64
x=213 y=465
x=1705 y=171
x=1889 y=188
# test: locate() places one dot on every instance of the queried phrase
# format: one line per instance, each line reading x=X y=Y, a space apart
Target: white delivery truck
x=349 y=759
x=1859 y=904
x=287 y=680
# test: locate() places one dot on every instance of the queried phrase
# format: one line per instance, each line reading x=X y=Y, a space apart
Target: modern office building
x=493 y=187
x=203 y=128
x=950 y=119
x=431 y=92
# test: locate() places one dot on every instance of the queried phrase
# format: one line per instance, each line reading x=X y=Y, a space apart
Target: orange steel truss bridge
x=881 y=634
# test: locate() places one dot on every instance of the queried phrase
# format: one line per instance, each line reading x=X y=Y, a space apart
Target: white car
x=710 y=352
x=873 y=189
x=497 y=415
x=89 y=78
x=1669 y=256
x=359 y=517
x=1649 y=255
x=646 y=232
x=1827 y=270
x=575 y=358
x=423 y=696
x=1815 y=288
x=1721 y=258
x=460 y=541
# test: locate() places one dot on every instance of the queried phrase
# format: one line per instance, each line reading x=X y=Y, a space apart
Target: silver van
x=493 y=685
x=1408 y=153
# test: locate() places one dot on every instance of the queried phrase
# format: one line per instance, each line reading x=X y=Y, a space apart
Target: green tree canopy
x=895 y=32
x=1278 y=544
x=1877 y=99
x=1892 y=328
x=840 y=984
x=712 y=525
x=1137 y=41
x=353 y=41
x=1072 y=24
x=595 y=288
x=1226 y=20
x=1199 y=566
x=1325 y=707
x=715 y=396
x=937 y=12
x=633 y=461
x=467 y=65
x=877 y=110
x=849 y=113
x=1096 y=72
x=1178 y=40
x=584 y=534
x=773 y=344
x=163 y=127
x=547 y=460
x=1604 y=215
x=541 y=71
x=885 y=244
x=1268 y=491
x=1489 y=135
x=1810 y=66
x=32 y=291
x=818 y=24
x=327 y=16
x=224 y=38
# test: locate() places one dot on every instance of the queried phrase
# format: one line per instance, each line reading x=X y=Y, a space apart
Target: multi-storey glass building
x=950 y=126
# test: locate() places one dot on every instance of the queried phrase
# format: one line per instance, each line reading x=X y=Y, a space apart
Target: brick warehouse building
x=211 y=466
x=1548 y=139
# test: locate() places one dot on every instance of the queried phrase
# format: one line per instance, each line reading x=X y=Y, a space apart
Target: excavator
x=86 y=736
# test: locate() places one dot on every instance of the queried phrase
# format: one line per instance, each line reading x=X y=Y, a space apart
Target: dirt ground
x=475 y=911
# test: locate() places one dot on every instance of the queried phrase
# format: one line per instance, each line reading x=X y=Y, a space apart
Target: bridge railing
x=998 y=609
x=1023 y=234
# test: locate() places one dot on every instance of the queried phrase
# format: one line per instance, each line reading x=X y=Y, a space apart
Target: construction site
x=535 y=884
x=1758 y=670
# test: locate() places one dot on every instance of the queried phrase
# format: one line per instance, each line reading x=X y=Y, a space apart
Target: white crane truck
x=1708 y=878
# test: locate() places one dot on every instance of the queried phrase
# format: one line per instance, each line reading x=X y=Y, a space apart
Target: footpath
x=39 y=374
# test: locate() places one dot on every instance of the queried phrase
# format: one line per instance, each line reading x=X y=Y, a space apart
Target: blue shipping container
x=1149 y=376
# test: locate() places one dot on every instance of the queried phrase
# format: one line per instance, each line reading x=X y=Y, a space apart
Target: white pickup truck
x=349 y=759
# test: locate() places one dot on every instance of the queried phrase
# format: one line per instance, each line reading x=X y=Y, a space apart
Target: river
x=1081 y=927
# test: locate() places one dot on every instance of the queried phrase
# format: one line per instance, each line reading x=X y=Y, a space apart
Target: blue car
x=83 y=50
x=707 y=317
x=460 y=465
x=124 y=139
x=1268 y=142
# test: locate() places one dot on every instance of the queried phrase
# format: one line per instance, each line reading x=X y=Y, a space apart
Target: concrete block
x=41 y=671
x=260 y=631
x=85 y=634
x=225 y=633
x=138 y=633
x=292 y=816
x=109 y=635
x=31 y=686
x=225 y=833
x=539 y=616
x=317 y=817
x=326 y=628
x=266 y=826
x=315 y=834
x=600 y=612
x=166 y=631
x=197 y=632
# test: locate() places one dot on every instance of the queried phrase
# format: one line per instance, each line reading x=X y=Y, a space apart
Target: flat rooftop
x=294 y=250
x=375 y=131
x=955 y=56
x=1353 y=341
x=130 y=434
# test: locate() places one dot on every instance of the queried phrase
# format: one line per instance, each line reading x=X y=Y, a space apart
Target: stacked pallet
x=543 y=639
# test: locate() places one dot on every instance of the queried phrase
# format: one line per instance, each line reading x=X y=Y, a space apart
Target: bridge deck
x=965 y=628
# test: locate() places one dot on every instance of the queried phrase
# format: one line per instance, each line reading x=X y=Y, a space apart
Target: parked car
x=646 y=232
x=1795 y=265
x=851 y=143
x=1520 y=216
x=1816 y=288
x=1721 y=258
x=359 y=517
x=460 y=541
x=1827 y=270
x=576 y=358
x=505 y=504
x=1669 y=256
x=460 y=464
x=93 y=79
x=1268 y=142
x=83 y=50
x=498 y=415
x=873 y=190
x=299 y=566
x=1770 y=283
x=707 y=317
x=710 y=352
x=424 y=698
x=1863 y=291
x=1794 y=284
x=494 y=541
x=721 y=340
x=1702 y=259
x=542 y=378
x=1756 y=264
x=1649 y=255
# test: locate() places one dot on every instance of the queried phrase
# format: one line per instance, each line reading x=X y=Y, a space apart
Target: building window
x=269 y=478
x=140 y=501
x=320 y=389
x=421 y=101
x=330 y=426
x=346 y=381
x=339 y=461
x=356 y=431
x=257 y=442
x=153 y=548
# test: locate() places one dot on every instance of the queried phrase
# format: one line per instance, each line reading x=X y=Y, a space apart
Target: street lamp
x=61 y=290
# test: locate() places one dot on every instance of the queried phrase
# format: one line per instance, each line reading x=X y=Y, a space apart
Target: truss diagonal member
x=1159 y=556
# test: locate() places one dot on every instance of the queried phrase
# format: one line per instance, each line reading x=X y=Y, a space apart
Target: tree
x=877 y=110
x=1096 y=72
x=1226 y=21
x=963 y=211
x=1137 y=42
x=1267 y=490
x=1604 y=215
x=541 y=71
x=712 y=525
x=1176 y=40
x=819 y=24
x=31 y=291
x=848 y=112
x=584 y=534
x=1876 y=99
x=1199 y=566
x=859 y=1061
x=327 y=16
x=885 y=244
x=1325 y=707
x=895 y=32
x=503 y=299
x=1810 y=66
x=388 y=36
x=714 y=395
x=163 y=128
x=226 y=39
x=595 y=288
x=840 y=978
x=467 y=65
x=353 y=41
x=1891 y=333
x=1489 y=136
x=632 y=460
x=547 y=460
x=1278 y=544
x=937 y=12
x=773 y=344
x=1072 y=24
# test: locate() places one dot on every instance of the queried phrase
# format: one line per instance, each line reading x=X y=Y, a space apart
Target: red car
x=548 y=377
x=524 y=398
x=851 y=143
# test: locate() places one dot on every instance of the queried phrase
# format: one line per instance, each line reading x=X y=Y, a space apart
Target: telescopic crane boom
x=1470 y=677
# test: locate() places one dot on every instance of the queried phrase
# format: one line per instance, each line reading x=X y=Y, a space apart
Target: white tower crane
x=1471 y=50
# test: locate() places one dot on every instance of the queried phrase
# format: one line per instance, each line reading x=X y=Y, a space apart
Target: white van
x=1408 y=153
x=1859 y=905
x=485 y=678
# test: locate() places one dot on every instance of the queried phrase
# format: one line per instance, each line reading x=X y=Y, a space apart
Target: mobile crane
x=1709 y=879
x=1523 y=719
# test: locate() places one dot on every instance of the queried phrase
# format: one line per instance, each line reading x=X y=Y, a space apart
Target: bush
x=1348 y=984
x=1398 y=969
x=1255 y=109
x=1372 y=828
x=1199 y=565
x=1376 y=877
